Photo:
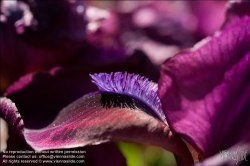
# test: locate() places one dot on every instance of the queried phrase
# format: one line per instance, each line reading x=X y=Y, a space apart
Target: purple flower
x=202 y=98
x=40 y=94
x=92 y=119
x=205 y=90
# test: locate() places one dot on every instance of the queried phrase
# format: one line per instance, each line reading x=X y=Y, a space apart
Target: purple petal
x=9 y=112
x=44 y=94
x=236 y=10
x=87 y=122
x=205 y=91
x=114 y=157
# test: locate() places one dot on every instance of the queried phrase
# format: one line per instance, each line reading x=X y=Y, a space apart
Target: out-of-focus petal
x=205 y=91
x=162 y=21
x=173 y=22
x=209 y=16
x=44 y=94
x=37 y=35
x=40 y=94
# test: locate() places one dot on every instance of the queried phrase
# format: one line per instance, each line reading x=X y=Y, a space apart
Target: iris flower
x=199 y=107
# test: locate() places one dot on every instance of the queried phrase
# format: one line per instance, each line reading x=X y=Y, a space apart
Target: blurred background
x=136 y=36
x=143 y=155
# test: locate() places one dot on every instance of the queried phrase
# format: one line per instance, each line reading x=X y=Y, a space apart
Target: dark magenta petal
x=88 y=122
x=41 y=95
x=44 y=94
x=236 y=10
x=205 y=91
x=114 y=157
x=10 y=113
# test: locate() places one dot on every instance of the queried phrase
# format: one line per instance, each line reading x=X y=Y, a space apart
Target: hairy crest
x=131 y=85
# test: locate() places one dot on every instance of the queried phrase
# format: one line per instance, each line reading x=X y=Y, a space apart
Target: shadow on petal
x=205 y=91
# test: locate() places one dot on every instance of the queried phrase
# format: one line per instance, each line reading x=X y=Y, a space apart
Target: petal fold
x=87 y=122
x=205 y=91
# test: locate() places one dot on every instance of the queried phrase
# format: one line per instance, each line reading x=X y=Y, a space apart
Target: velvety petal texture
x=87 y=121
x=9 y=112
x=44 y=94
x=205 y=91
x=40 y=96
